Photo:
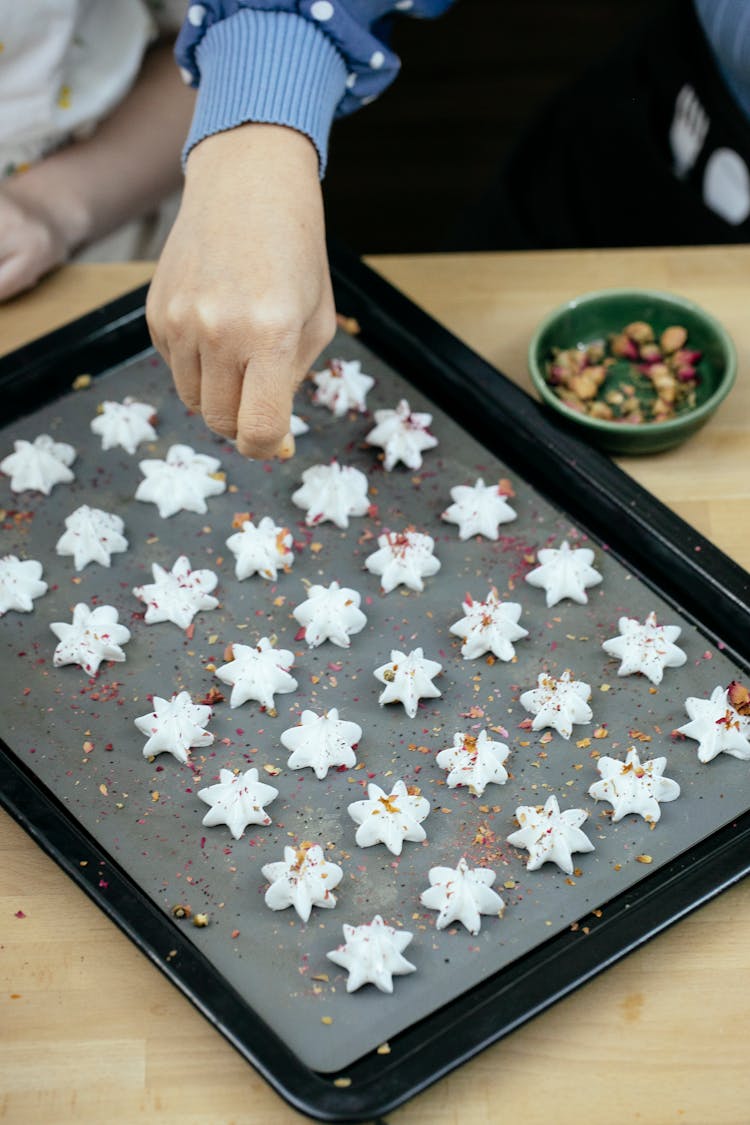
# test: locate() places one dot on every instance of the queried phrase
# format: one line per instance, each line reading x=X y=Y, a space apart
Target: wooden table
x=90 y=1032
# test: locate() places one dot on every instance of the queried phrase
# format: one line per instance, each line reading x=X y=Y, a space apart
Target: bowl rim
x=622 y=428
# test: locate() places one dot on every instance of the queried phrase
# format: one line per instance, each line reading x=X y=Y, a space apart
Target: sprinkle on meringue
x=342 y=386
x=91 y=535
x=236 y=800
x=174 y=726
x=372 y=954
x=303 y=879
x=462 y=894
x=258 y=673
x=633 y=786
x=408 y=678
x=474 y=761
x=178 y=594
x=479 y=509
x=550 y=836
x=558 y=703
x=489 y=626
x=389 y=818
x=403 y=435
x=332 y=492
x=322 y=742
x=93 y=636
x=261 y=550
x=647 y=648
x=403 y=558
x=330 y=613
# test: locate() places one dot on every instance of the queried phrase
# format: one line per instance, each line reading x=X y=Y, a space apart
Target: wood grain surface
x=90 y=1032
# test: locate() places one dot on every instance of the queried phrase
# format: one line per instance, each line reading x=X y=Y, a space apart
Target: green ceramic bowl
x=595 y=316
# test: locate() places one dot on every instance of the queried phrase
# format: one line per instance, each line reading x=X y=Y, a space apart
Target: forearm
x=130 y=163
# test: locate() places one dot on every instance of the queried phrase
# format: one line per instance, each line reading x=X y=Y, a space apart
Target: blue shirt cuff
x=270 y=67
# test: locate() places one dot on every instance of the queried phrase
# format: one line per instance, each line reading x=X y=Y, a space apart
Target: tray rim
x=708 y=587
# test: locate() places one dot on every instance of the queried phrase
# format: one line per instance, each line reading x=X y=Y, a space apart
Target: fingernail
x=287 y=448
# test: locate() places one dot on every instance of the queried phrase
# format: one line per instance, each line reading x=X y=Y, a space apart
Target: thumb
x=265 y=409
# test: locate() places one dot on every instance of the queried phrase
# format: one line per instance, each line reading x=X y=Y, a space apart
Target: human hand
x=241 y=302
x=32 y=240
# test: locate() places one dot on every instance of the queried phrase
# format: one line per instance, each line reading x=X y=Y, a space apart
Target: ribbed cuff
x=271 y=67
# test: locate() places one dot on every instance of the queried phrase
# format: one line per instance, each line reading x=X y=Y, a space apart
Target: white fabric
x=65 y=64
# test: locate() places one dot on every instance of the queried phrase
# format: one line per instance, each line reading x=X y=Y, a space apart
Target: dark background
x=401 y=170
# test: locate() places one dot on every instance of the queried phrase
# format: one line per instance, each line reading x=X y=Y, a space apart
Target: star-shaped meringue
x=648 y=648
x=403 y=558
x=332 y=492
x=462 y=894
x=489 y=626
x=303 y=879
x=342 y=386
x=20 y=582
x=38 y=465
x=474 y=761
x=93 y=636
x=633 y=786
x=550 y=835
x=372 y=954
x=403 y=435
x=389 y=818
x=181 y=482
x=330 y=613
x=558 y=703
x=125 y=424
x=174 y=726
x=479 y=509
x=565 y=572
x=322 y=742
x=262 y=549
x=717 y=727
x=92 y=535
x=407 y=679
x=178 y=594
x=237 y=799
x=258 y=673
x=298 y=426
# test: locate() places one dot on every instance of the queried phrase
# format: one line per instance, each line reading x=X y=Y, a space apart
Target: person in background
x=93 y=115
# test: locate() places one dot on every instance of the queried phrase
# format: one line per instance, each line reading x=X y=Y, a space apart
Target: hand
x=32 y=242
x=241 y=302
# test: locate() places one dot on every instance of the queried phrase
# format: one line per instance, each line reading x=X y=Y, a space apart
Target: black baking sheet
x=154 y=832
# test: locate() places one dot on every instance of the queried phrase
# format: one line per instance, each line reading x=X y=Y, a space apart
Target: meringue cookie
x=479 y=509
x=174 y=726
x=558 y=703
x=717 y=727
x=403 y=558
x=125 y=424
x=489 y=626
x=181 y=482
x=550 y=835
x=20 y=582
x=342 y=386
x=372 y=954
x=462 y=894
x=261 y=550
x=92 y=535
x=332 y=492
x=474 y=761
x=298 y=426
x=258 y=673
x=303 y=879
x=38 y=465
x=648 y=648
x=330 y=613
x=403 y=436
x=389 y=818
x=407 y=679
x=237 y=799
x=322 y=742
x=566 y=572
x=633 y=786
x=178 y=594
x=93 y=636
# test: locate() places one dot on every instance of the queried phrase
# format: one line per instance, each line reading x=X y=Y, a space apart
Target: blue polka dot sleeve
x=288 y=62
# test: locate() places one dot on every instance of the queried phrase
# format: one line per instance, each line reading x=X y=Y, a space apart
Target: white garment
x=64 y=65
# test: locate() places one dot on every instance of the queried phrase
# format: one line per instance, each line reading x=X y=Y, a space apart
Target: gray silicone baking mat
x=77 y=734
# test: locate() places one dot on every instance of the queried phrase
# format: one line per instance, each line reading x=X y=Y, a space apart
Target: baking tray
x=469 y=991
